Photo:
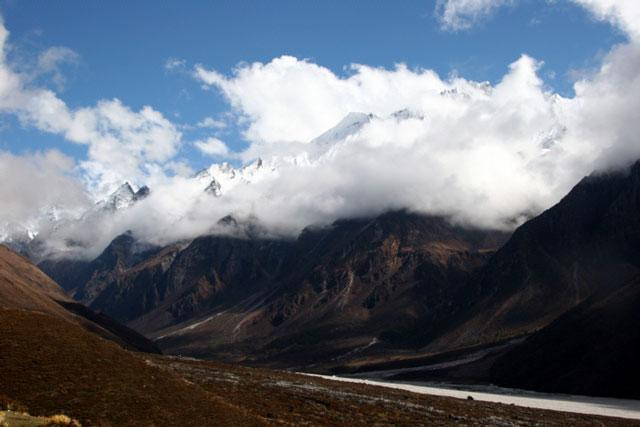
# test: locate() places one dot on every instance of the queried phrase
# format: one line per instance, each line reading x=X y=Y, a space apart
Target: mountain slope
x=51 y=365
x=370 y=283
x=588 y=242
x=24 y=286
x=592 y=349
x=100 y=384
x=85 y=280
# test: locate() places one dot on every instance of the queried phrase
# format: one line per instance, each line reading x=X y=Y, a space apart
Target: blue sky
x=123 y=46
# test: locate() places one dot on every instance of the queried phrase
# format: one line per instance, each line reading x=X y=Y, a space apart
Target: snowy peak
x=351 y=124
x=214 y=188
x=222 y=177
x=123 y=197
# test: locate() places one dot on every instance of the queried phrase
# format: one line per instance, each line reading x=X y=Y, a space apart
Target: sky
x=121 y=49
x=508 y=103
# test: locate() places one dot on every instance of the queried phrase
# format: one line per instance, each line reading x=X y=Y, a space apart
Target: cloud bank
x=335 y=146
x=484 y=155
x=122 y=144
x=36 y=183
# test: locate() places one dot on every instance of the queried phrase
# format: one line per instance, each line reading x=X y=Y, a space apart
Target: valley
x=394 y=301
x=319 y=213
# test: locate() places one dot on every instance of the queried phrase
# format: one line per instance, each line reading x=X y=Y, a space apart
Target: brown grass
x=52 y=366
x=293 y=399
x=23 y=285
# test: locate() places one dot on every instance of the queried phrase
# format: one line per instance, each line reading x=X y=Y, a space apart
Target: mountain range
x=56 y=231
x=367 y=291
x=61 y=368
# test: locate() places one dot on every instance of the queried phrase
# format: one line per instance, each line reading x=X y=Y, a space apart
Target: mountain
x=56 y=232
x=222 y=178
x=23 y=286
x=369 y=283
x=46 y=236
x=397 y=285
x=52 y=363
x=122 y=253
x=556 y=308
x=348 y=126
x=592 y=350
x=123 y=197
x=59 y=356
x=589 y=242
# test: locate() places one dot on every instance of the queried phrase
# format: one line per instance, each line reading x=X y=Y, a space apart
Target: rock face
x=85 y=280
x=589 y=242
x=380 y=284
x=386 y=282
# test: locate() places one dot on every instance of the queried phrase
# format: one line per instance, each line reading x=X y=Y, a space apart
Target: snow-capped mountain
x=123 y=197
x=351 y=124
x=217 y=180
x=220 y=178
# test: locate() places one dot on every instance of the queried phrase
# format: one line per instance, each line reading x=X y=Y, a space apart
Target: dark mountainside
x=23 y=286
x=589 y=242
x=570 y=278
x=592 y=349
x=84 y=280
x=50 y=364
x=387 y=282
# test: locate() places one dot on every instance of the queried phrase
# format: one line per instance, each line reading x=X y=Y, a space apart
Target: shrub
x=62 y=421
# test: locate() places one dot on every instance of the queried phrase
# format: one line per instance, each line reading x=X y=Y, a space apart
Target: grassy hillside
x=53 y=366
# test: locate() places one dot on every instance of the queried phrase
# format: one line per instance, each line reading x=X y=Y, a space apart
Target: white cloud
x=605 y=109
x=122 y=144
x=457 y=15
x=624 y=14
x=33 y=184
x=212 y=147
x=50 y=61
x=211 y=123
x=483 y=154
x=295 y=100
x=172 y=64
